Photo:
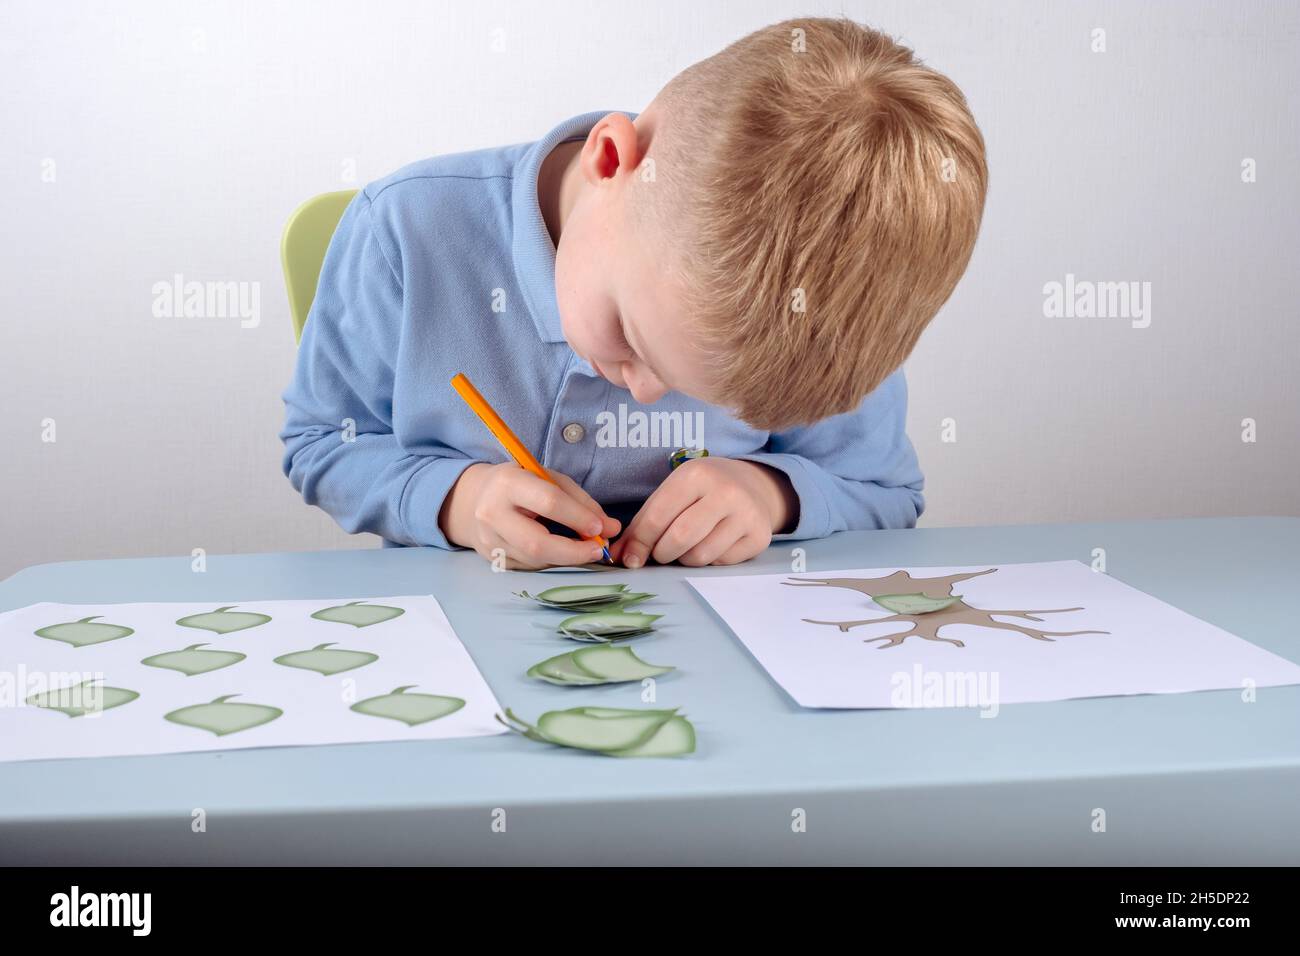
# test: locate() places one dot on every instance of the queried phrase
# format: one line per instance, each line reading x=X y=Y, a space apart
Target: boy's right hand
x=494 y=509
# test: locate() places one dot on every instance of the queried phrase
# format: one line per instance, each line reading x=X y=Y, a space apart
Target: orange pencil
x=522 y=456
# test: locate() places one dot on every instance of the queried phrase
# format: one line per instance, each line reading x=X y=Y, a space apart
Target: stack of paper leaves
x=586 y=597
x=601 y=627
x=613 y=731
x=603 y=664
x=602 y=618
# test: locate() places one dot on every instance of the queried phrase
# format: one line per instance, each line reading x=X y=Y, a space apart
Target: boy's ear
x=611 y=145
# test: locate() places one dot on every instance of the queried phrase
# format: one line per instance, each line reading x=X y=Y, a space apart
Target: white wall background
x=182 y=134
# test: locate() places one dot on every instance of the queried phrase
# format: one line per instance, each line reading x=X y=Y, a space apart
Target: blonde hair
x=814 y=162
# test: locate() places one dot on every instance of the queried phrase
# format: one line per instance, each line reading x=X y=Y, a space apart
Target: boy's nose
x=647 y=390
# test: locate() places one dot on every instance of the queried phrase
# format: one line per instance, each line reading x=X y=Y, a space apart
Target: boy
x=750 y=259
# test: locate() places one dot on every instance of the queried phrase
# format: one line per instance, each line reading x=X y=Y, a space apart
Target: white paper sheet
x=416 y=649
x=1148 y=647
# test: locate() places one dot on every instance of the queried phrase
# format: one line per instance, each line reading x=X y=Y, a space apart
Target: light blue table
x=1183 y=779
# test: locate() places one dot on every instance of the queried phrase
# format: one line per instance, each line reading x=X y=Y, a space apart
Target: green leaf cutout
x=914 y=603
x=604 y=626
x=601 y=664
x=613 y=731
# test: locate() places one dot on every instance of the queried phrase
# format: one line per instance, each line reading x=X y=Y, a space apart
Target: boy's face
x=621 y=308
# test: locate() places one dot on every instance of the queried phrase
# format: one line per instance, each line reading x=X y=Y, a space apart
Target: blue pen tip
x=608 y=559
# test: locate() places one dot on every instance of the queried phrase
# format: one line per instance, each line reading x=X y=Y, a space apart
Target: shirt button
x=574 y=433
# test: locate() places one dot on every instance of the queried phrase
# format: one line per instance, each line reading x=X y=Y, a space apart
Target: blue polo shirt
x=446 y=266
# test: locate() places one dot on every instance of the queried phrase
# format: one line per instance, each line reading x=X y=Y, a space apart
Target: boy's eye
x=622 y=337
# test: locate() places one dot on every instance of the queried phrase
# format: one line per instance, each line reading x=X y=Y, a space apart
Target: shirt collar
x=533 y=251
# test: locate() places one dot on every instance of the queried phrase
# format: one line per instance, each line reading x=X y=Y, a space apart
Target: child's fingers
x=610 y=525
x=552 y=501
x=744 y=549
x=530 y=543
x=690 y=528
x=716 y=543
x=659 y=511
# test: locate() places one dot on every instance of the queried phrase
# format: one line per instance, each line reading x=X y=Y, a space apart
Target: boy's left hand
x=709 y=511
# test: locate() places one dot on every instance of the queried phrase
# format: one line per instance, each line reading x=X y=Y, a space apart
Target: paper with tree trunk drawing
x=979 y=636
x=80 y=680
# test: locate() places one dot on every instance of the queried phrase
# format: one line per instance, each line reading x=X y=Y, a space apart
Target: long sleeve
x=340 y=450
x=853 y=471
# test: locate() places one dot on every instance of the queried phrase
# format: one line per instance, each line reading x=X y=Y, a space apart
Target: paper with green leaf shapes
x=149 y=678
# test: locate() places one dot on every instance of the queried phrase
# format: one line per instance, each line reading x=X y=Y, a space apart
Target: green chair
x=306 y=236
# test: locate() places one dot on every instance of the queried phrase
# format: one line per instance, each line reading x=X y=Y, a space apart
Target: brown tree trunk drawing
x=927 y=626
